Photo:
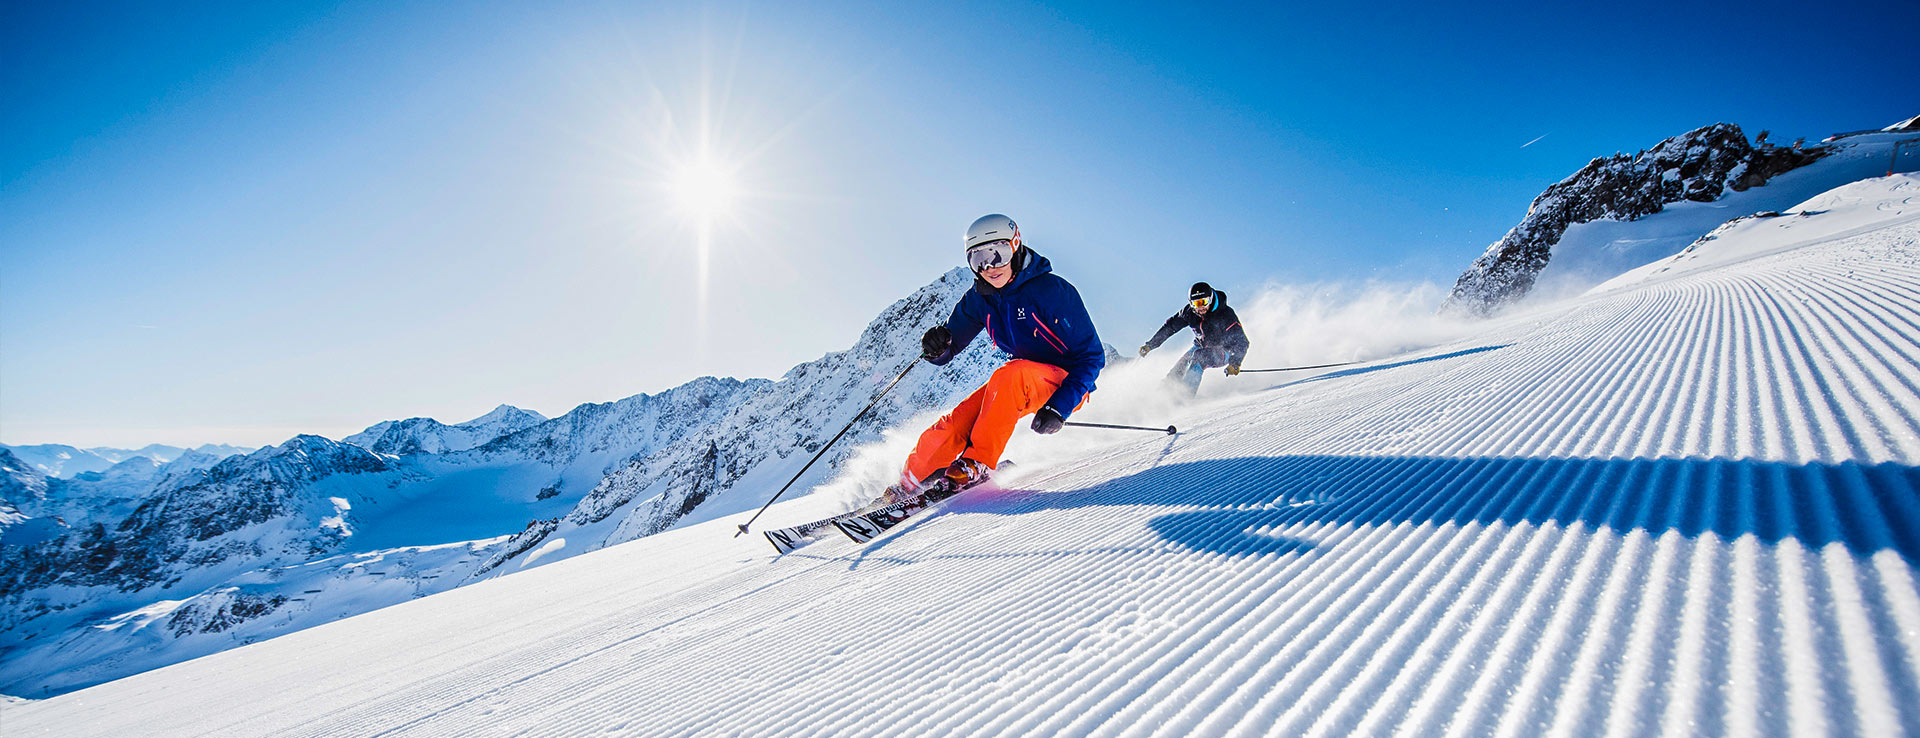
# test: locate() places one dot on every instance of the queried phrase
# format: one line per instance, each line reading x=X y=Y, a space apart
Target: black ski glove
x=936 y=343
x=1047 y=421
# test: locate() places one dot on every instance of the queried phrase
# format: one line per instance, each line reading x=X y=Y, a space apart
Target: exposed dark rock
x=1699 y=166
x=219 y=611
x=520 y=543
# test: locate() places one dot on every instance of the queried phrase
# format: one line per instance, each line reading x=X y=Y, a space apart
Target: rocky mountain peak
x=506 y=415
x=428 y=436
x=1701 y=165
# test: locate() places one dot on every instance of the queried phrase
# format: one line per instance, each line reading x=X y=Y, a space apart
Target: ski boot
x=959 y=475
x=907 y=489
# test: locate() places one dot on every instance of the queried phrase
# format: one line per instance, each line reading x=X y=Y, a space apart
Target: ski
x=863 y=527
x=787 y=539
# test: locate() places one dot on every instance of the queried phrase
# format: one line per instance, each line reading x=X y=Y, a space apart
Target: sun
x=704 y=189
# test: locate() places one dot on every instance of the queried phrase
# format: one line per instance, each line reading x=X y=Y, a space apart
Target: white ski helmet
x=991 y=228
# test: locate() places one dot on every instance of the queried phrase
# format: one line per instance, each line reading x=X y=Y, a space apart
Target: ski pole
x=823 y=449
x=1297 y=368
x=1169 y=430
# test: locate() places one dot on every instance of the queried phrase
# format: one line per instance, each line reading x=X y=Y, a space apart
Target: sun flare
x=704 y=189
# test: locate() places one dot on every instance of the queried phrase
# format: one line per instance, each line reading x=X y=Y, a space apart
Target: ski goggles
x=1200 y=302
x=990 y=254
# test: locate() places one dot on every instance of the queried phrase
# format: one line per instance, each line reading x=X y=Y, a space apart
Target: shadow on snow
x=1240 y=506
x=1271 y=505
x=1241 y=503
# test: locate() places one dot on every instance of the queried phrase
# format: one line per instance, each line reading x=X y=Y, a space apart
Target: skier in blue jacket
x=1034 y=316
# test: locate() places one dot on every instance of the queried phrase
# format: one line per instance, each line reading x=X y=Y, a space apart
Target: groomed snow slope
x=1687 y=507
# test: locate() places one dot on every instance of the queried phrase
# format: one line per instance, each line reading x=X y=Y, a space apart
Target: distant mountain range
x=59 y=460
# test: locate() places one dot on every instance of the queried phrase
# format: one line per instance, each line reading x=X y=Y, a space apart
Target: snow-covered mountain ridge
x=429 y=436
x=1575 y=234
x=183 y=559
x=1683 y=505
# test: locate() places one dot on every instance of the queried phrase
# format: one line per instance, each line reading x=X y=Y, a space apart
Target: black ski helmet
x=1200 y=291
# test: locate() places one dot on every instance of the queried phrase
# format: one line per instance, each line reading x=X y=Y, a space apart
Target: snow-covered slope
x=1681 y=506
x=1870 y=204
x=1623 y=211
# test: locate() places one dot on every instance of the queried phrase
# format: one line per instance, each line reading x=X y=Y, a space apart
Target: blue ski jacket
x=1038 y=317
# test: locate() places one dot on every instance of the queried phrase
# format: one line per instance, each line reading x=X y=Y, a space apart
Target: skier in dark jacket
x=1218 y=339
x=1034 y=316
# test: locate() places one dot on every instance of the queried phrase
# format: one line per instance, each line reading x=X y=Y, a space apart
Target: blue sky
x=232 y=223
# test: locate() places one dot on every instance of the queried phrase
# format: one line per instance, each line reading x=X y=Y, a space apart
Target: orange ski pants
x=978 y=428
